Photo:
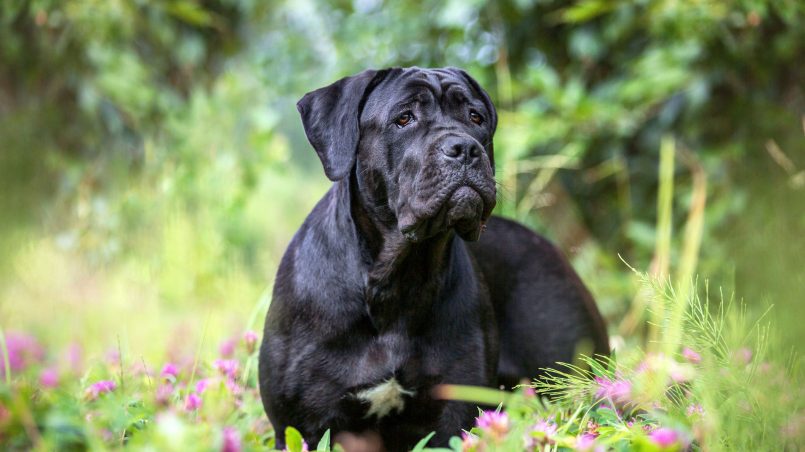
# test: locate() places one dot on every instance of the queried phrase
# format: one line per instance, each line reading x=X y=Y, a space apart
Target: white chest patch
x=384 y=398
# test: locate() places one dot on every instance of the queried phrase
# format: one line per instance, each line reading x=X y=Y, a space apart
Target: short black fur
x=381 y=282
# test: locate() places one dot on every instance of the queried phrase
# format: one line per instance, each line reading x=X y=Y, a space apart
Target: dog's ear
x=493 y=120
x=330 y=116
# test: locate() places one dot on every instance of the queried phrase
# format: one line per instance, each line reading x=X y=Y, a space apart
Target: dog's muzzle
x=464 y=195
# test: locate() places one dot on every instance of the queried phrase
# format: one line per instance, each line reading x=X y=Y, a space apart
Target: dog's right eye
x=404 y=119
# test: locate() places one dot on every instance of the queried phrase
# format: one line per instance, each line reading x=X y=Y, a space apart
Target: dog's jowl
x=400 y=279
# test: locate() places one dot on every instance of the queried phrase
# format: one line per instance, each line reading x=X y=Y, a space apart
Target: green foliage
x=293 y=440
x=324 y=443
x=722 y=390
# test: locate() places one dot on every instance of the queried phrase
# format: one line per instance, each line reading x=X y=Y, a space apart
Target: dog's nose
x=465 y=150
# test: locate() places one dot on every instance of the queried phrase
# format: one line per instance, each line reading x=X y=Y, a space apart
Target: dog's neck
x=404 y=279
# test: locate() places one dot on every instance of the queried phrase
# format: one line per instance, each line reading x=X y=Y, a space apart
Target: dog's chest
x=393 y=371
x=387 y=397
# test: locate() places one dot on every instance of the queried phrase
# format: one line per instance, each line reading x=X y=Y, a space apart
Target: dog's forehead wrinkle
x=412 y=83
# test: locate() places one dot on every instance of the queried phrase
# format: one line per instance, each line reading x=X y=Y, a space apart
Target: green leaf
x=293 y=440
x=456 y=444
x=420 y=446
x=324 y=443
x=190 y=13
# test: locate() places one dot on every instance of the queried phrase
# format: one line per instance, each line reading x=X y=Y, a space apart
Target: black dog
x=380 y=297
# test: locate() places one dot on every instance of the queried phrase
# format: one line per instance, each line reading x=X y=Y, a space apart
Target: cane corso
x=399 y=280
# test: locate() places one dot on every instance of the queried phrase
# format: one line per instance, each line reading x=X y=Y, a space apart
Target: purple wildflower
x=585 y=442
x=469 y=442
x=201 y=386
x=691 y=355
x=99 y=388
x=164 y=393
x=793 y=429
x=665 y=437
x=695 y=409
x=192 y=402
x=231 y=440
x=113 y=356
x=232 y=386
x=250 y=338
x=169 y=371
x=4 y=414
x=744 y=355
x=49 y=377
x=618 y=391
x=541 y=433
x=23 y=350
x=495 y=423
x=227 y=348
x=228 y=367
x=75 y=357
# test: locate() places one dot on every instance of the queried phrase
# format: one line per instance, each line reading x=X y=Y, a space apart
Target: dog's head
x=419 y=142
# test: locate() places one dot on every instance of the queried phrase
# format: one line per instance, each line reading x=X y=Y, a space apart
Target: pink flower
x=192 y=402
x=665 y=437
x=691 y=355
x=99 y=388
x=49 y=377
x=231 y=441
x=618 y=391
x=494 y=422
x=164 y=393
x=140 y=369
x=585 y=442
x=228 y=367
x=113 y=356
x=169 y=371
x=469 y=442
x=233 y=387
x=75 y=357
x=23 y=350
x=793 y=429
x=541 y=433
x=227 y=348
x=744 y=355
x=695 y=409
x=201 y=386
x=250 y=338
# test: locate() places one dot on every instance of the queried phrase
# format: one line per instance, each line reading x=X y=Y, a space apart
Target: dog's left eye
x=475 y=117
x=404 y=119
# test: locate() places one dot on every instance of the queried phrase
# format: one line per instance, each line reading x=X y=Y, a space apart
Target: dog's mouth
x=465 y=210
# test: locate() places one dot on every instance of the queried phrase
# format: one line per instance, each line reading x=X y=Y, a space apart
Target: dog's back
x=544 y=312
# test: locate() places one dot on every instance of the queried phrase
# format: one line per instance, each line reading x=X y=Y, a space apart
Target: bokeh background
x=153 y=166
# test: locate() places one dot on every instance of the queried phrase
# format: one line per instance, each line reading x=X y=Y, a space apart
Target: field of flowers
x=721 y=389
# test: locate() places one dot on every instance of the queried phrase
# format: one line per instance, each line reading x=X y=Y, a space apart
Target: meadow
x=153 y=168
